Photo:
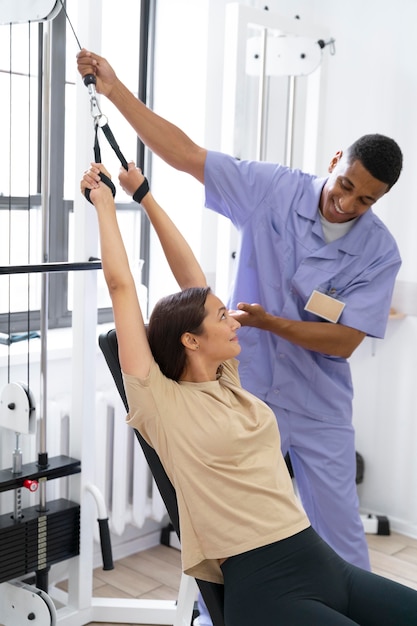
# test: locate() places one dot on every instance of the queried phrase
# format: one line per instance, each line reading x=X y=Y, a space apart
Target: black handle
x=89 y=79
x=105 y=543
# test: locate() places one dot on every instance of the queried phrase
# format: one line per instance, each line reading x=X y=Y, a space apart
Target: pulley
x=17 y=409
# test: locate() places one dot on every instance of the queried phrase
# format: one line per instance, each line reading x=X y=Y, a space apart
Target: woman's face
x=219 y=339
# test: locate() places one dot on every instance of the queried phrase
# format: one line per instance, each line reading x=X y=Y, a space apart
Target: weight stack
x=39 y=539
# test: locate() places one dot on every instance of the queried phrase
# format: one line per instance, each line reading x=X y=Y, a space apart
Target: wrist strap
x=141 y=191
x=107 y=181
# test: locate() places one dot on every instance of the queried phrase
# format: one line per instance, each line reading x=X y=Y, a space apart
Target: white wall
x=384 y=373
x=369 y=86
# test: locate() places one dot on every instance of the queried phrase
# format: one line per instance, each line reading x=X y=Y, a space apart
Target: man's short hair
x=380 y=155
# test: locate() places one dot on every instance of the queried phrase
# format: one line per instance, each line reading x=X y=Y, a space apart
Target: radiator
x=121 y=470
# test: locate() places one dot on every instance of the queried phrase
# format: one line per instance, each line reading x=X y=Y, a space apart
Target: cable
x=69 y=22
x=90 y=82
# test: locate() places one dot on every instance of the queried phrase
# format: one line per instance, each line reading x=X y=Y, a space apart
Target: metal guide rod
x=260 y=148
x=46 y=83
x=290 y=121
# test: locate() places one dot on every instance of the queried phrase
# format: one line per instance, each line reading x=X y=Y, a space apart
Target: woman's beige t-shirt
x=220 y=447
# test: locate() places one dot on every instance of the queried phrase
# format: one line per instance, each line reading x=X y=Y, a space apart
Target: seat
x=213 y=593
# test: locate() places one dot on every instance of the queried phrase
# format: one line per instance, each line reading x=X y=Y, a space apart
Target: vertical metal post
x=145 y=93
x=45 y=163
x=84 y=325
x=290 y=121
x=260 y=148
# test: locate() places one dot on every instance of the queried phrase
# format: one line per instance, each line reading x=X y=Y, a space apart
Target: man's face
x=349 y=191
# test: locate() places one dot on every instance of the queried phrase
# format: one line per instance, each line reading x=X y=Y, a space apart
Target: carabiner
x=90 y=83
x=94 y=108
x=100 y=121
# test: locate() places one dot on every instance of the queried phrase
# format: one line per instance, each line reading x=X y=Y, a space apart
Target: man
x=315 y=275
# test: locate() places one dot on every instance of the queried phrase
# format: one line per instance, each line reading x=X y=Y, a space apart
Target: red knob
x=32 y=485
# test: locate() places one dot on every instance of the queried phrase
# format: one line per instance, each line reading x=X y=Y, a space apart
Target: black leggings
x=301 y=581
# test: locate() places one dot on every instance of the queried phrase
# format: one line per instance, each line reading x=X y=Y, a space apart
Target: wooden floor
x=156 y=573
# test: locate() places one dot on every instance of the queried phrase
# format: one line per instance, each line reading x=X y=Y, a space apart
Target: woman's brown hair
x=171 y=317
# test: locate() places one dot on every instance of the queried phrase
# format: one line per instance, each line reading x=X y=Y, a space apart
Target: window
x=22 y=223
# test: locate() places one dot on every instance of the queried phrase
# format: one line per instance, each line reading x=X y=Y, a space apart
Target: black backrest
x=211 y=592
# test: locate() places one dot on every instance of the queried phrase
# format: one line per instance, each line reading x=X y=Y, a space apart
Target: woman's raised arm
x=134 y=352
x=180 y=257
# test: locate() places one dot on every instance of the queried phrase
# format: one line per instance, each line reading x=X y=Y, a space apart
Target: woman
x=240 y=522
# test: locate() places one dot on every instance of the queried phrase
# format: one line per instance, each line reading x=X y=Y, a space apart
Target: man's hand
x=249 y=315
x=90 y=63
x=324 y=337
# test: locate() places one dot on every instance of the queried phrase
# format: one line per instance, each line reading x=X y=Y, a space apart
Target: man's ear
x=335 y=160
